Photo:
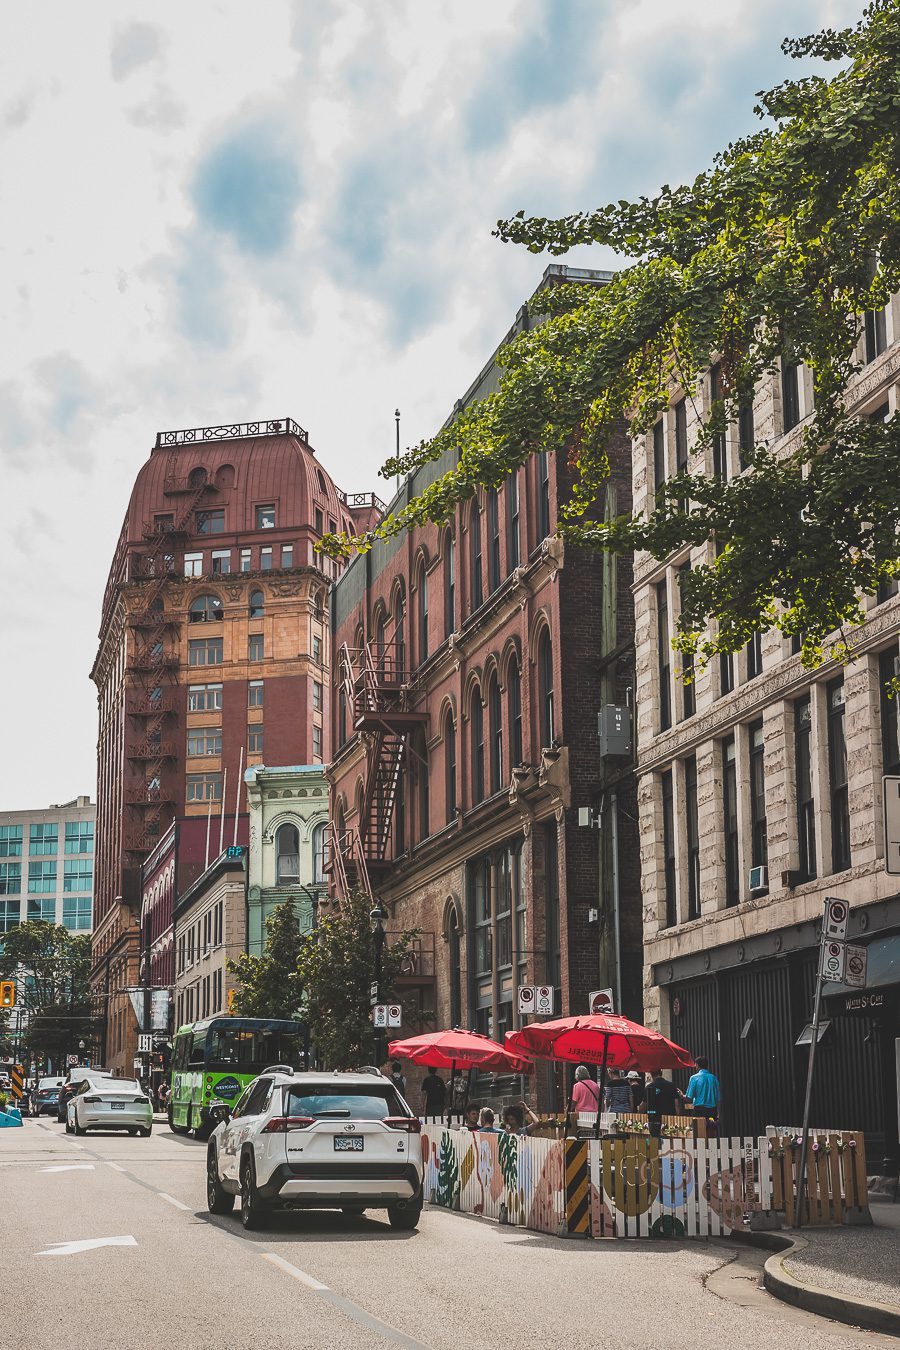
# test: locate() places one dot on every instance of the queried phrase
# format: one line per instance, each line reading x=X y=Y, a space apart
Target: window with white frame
x=204 y=741
x=193 y=564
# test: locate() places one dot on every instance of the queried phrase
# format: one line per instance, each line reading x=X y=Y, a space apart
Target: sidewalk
x=849 y=1273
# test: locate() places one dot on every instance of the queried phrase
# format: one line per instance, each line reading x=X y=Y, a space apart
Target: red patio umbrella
x=599 y=1038
x=458 y=1049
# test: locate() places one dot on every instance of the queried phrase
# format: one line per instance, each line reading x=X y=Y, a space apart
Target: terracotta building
x=760 y=788
x=214 y=652
x=470 y=665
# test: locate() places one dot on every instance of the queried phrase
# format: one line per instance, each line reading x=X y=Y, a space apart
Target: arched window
x=422 y=593
x=287 y=855
x=545 y=683
x=514 y=695
x=318 y=845
x=380 y=639
x=205 y=609
x=450 y=767
x=257 y=604
x=449 y=583
x=496 y=714
x=477 y=589
x=455 y=973
x=477 y=746
x=493 y=540
x=197 y=478
x=399 y=636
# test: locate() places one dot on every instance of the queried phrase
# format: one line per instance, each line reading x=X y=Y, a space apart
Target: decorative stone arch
x=359 y=796
x=512 y=650
x=284 y=817
x=491 y=669
x=421 y=562
x=540 y=621
x=448 y=531
x=449 y=709
x=453 y=909
x=474 y=681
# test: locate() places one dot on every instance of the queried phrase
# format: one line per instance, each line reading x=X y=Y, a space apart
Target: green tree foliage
x=337 y=966
x=270 y=984
x=51 y=968
x=774 y=252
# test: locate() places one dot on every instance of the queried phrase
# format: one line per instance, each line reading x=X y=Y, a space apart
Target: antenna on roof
x=397 y=427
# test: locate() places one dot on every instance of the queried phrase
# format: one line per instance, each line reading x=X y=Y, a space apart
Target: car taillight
x=412 y=1124
x=142 y=1100
x=92 y=1101
x=281 y=1124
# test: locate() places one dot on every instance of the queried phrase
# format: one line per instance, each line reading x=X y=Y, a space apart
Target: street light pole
x=377 y=916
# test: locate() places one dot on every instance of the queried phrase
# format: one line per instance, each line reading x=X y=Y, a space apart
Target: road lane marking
x=294 y=1271
x=116 y=1168
x=172 y=1201
x=86 y=1245
x=70 y=1167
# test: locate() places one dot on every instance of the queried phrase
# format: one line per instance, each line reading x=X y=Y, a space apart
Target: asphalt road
x=178 y=1277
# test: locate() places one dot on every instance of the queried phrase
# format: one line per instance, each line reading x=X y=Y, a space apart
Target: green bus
x=217 y=1058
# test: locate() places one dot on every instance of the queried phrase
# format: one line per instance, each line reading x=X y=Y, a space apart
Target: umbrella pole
x=602 y=1084
x=450 y=1101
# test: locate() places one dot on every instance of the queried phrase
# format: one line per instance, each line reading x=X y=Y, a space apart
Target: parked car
x=110 y=1104
x=317 y=1141
x=74 y=1079
x=45 y=1097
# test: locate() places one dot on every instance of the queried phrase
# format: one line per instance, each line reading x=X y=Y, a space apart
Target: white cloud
x=240 y=211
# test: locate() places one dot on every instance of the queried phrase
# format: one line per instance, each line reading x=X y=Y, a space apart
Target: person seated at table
x=514 y=1119
x=471 y=1120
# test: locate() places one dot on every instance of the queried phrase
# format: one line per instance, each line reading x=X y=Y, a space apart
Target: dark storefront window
x=806 y=806
x=730 y=806
x=888 y=665
x=668 y=808
x=759 y=844
x=692 y=822
x=837 y=778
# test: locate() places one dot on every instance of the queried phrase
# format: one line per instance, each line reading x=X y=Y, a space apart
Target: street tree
x=337 y=967
x=51 y=967
x=270 y=983
x=774 y=254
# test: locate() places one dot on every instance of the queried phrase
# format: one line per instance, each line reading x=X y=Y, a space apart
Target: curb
x=841 y=1307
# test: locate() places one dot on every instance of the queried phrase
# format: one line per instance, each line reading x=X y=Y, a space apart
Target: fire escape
x=150 y=700
x=376 y=689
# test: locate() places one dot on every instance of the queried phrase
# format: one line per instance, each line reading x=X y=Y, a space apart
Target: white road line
x=70 y=1167
x=294 y=1271
x=115 y=1167
x=86 y=1245
x=172 y=1201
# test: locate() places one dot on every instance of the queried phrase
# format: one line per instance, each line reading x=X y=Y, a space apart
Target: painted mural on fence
x=499 y=1176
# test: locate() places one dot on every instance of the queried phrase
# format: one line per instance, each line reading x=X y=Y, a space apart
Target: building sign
x=855 y=963
x=873 y=1002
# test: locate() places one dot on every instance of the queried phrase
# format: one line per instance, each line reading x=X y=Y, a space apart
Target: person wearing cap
x=638 y=1091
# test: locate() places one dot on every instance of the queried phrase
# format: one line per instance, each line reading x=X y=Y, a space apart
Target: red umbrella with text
x=458 y=1049
x=601 y=1038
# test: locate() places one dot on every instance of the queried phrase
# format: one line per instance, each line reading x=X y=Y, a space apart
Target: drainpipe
x=614 y=848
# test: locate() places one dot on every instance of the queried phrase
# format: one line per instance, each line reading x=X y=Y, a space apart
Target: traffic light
x=7 y=993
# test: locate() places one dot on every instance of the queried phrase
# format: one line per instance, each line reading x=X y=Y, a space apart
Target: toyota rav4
x=317 y=1141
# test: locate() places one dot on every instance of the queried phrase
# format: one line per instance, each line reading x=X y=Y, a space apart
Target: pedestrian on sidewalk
x=398 y=1077
x=434 y=1094
x=585 y=1093
x=617 y=1094
x=663 y=1099
x=704 y=1094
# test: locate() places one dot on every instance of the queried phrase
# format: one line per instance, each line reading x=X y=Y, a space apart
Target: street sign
x=159 y=1010
x=379 y=1015
x=891 y=789
x=855 y=966
x=837 y=912
x=145 y=1045
x=601 y=1001
x=543 y=999
x=526 y=998
x=71 y=1060
x=833 y=954
x=394 y=1015
x=139 y=1066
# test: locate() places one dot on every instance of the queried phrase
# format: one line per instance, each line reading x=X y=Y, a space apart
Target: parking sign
x=837 y=912
x=833 y=961
x=526 y=998
x=543 y=999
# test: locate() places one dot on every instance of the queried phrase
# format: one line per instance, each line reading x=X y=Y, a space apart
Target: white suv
x=317 y=1141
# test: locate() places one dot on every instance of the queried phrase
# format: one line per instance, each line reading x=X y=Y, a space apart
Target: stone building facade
x=214 y=653
x=209 y=925
x=471 y=662
x=760 y=792
x=288 y=819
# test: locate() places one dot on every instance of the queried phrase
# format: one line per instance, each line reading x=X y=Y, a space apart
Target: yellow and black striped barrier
x=17 y=1081
x=578 y=1189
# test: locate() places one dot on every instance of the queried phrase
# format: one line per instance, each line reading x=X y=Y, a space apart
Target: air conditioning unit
x=758 y=879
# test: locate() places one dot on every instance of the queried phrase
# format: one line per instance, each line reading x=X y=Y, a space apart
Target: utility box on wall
x=614 y=729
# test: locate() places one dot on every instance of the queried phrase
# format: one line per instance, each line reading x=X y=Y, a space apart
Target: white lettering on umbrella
x=86 y=1245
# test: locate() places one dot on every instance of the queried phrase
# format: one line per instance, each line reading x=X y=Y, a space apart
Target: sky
x=223 y=211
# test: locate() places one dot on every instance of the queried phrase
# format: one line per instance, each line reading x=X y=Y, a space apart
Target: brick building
x=471 y=662
x=760 y=793
x=214 y=651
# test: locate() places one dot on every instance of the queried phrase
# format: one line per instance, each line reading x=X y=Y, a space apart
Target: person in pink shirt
x=585 y=1093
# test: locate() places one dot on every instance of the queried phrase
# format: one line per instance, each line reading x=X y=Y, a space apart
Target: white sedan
x=111 y=1104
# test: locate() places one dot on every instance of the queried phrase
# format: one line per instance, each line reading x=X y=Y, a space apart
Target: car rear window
x=337 y=1102
x=117 y=1085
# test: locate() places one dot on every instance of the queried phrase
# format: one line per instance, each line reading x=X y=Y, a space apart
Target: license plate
x=348 y=1143
x=117 y=1106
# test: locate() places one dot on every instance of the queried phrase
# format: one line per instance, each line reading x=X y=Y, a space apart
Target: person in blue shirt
x=703 y=1093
